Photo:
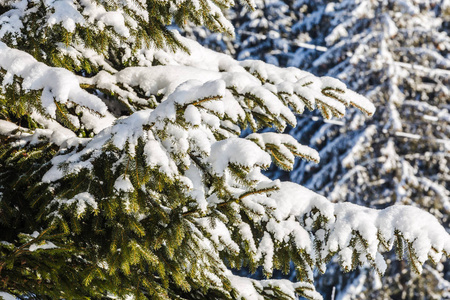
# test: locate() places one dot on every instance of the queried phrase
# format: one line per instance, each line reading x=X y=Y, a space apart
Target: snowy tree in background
x=271 y=31
x=123 y=172
x=402 y=50
x=397 y=54
x=262 y=33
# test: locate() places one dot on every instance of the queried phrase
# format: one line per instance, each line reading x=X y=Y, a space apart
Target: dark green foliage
x=48 y=272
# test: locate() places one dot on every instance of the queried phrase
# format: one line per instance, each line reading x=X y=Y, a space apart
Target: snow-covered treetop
x=145 y=178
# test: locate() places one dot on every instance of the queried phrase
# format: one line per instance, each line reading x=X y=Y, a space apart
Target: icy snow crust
x=191 y=135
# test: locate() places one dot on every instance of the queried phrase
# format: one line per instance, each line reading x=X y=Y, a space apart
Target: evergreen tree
x=123 y=172
x=217 y=41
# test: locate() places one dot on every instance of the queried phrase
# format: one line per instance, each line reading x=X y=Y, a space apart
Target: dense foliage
x=124 y=172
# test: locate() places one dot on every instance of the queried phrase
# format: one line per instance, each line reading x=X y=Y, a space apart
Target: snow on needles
x=236 y=151
x=377 y=229
x=7 y=296
x=57 y=84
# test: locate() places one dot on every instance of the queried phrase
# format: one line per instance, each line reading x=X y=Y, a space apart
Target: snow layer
x=7 y=296
x=236 y=151
x=249 y=289
x=123 y=184
x=377 y=228
x=46 y=245
x=57 y=84
x=80 y=201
